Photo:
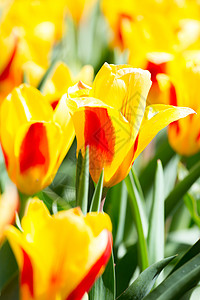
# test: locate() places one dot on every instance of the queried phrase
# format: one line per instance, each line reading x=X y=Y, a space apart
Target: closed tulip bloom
x=184 y=135
x=113 y=120
x=60 y=256
x=34 y=138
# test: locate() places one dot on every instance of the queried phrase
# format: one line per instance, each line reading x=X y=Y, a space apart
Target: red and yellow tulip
x=34 y=138
x=113 y=120
x=9 y=204
x=60 y=256
x=184 y=135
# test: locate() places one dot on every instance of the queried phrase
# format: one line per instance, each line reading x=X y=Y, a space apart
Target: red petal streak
x=34 y=149
x=5 y=73
x=156 y=69
x=173 y=101
x=135 y=145
x=5 y=156
x=54 y=104
x=99 y=136
x=119 y=26
x=27 y=273
x=87 y=282
x=198 y=137
x=172 y=95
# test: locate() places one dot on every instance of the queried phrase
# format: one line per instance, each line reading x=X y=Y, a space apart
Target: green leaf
x=97 y=197
x=82 y=197
x=140 y=220
x=125 y=268
x=78 y=172
x=164 y=153
x=104 y=287
x=192 y=252
x=191 y=204
x=52 y=200
x=156 y=222
x=193 y=294
x=179 y=282
x=180 y=189
x=121 y=215
x=8 y=265
x=11 y=290
x=144 y=283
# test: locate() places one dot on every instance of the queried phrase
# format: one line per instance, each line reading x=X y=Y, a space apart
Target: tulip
x=184 y=135
x=34 y=138
x=59 y=81
x=113 y=120
x=60 y=256
x=9 y=204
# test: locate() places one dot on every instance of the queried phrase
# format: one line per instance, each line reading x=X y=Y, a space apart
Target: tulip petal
x=106 y=132
x=62 y=117
x=125 y=89
x=157 y=117
x=95 y=271
x=37 y=147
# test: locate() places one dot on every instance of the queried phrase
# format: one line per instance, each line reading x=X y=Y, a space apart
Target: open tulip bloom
x=60 y=256
x=34 y=138
x=113 y=120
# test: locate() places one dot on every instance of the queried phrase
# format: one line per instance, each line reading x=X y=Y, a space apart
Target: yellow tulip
x=34 y=138
x=60 y=80
x=9 y=204
x=113 y=120
x=60 y=256
x=184 y=135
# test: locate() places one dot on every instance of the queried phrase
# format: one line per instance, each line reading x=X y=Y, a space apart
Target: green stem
x=23 y=201
x=135 y=206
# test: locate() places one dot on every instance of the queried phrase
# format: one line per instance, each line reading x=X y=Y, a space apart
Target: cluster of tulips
x=113 y=117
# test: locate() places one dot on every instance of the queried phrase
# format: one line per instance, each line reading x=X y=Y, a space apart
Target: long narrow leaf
x=179 y=282
x=97 y=197
x=192 y=252
x=82 y=197
x=181 y=188
x=122 y=215
x=144 y=283
x=139 y=219
x=8 y=265
x=156 y=226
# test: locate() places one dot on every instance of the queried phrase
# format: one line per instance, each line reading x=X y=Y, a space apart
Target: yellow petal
x=123 y=88
x=157 y=117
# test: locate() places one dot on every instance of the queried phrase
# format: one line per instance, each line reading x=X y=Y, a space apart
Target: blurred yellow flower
x=34 y=138
x=9 y=205
x=113 y=120
x=29 y=30
x=60 y=256
x=184 y=135
x=60 y=79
